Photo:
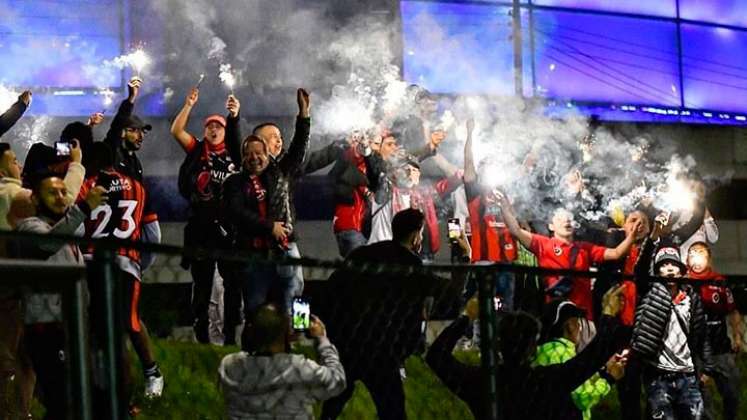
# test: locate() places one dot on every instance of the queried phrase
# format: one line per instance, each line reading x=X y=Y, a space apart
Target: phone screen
x=62 y=148
x=455 y=228
x=301 y=314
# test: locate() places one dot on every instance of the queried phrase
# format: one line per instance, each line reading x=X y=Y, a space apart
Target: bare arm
x=509 y=216
x=614 y=254
x=470 y=173
x=179 y=126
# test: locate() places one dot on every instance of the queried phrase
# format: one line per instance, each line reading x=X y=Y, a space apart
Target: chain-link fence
x=410 y=341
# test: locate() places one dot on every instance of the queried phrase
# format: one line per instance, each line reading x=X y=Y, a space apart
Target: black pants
x=45 y=346
x=629 y=391
x=203 y=273
x=384 y=383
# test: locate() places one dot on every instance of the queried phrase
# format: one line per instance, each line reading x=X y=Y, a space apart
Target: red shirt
x=351 y=217
x=556 y=254
x=125 y=213
x=717 y=300
x=491 y=240
x=629 y=294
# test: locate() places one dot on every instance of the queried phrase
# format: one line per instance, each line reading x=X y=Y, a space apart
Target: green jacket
x=590 y=392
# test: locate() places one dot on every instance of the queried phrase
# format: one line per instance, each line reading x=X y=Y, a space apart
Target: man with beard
x=126 y=133
x=207 y=164
x=43 y=346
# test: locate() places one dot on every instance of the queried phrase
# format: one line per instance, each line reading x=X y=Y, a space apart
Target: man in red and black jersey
x=561 y=251
x=720 y=307
x=127 y=215
x=207 y=164
x=491 y=239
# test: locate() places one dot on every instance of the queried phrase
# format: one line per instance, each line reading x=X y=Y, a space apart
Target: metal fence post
x=488 y=353
x=80 y=378
x=112 y=334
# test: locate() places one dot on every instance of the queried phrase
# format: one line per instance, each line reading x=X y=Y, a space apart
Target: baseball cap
x=133 y=121
x=215 y=118
x=668 y=254
x=555 y=315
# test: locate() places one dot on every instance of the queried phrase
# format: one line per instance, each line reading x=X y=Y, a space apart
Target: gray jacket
x=47 y=307
x=281 y=386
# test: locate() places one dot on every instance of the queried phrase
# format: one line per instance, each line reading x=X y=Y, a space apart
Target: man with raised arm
x=207 y=164
x=561 y=251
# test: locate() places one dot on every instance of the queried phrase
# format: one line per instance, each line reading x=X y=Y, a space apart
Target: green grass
x=190 y=372
x=191 y=389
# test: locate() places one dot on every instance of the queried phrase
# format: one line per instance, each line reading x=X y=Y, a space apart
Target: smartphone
x=455 y=229
x=62 y=148
x=301 y=314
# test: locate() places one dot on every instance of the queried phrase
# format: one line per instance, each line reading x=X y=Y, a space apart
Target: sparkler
x=199 y=82
x=138 y=60
x=227 y=77
x=677 y=196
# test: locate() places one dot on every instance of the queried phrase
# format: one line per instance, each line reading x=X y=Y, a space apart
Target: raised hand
x=95 y=119
x=96 y=197
x=302 y=96
x=133 y=88
x=233 y=106
x=76 y=154
x=192 y=97
x=25 y=97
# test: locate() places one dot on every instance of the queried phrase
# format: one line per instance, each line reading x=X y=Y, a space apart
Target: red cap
x=215 y=118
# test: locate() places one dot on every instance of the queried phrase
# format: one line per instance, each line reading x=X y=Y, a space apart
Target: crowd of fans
x=391 y=189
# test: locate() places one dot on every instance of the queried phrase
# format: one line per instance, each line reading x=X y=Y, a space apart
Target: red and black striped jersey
x=125 y=213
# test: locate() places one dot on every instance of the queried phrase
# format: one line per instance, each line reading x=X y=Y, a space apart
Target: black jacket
x=377 y=316
x=279 y=176
x=653 y=313
x=11 y=116
x=524 y=392
x=241 y=212
x=125 y=161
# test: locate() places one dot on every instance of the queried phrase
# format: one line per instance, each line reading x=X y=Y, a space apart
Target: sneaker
x=153 y=386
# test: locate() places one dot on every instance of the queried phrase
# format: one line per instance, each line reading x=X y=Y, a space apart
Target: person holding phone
x=264 y=380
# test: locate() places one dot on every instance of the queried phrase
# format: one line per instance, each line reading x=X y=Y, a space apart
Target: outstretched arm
x=470 y=173
x=114 y=135
x=14 y=113
x=509 y=216
x=179 y=126
x=233 y=129
x=614 y=254
x=293 y=160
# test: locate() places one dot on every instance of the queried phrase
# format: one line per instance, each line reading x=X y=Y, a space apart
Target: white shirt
x=676 y=355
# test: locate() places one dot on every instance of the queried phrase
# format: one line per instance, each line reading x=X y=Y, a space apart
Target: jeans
x=672 y=395
x=348 y=240
x=292 y=275
x=254 y=284
x=726 y=378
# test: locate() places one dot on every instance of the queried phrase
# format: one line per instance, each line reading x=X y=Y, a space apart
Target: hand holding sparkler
x=95 y=119
x=661 y=226
x=304 y=103
x=192 y=97
x=25 y=97
x=133 y=88
x=199 y=82
x=233 y=106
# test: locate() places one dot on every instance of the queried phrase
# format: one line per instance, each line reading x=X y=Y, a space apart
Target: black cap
x=133 y=121
x=668 y=254
x=555 y=315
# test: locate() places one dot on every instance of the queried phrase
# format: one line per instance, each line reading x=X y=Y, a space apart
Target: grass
x=191 y=388
x=191 y=392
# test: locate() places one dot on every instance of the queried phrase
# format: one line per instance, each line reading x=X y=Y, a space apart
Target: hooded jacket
x=654 y=312
x=280 y=386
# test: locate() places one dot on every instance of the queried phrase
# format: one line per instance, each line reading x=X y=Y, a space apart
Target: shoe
x=153 y=386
